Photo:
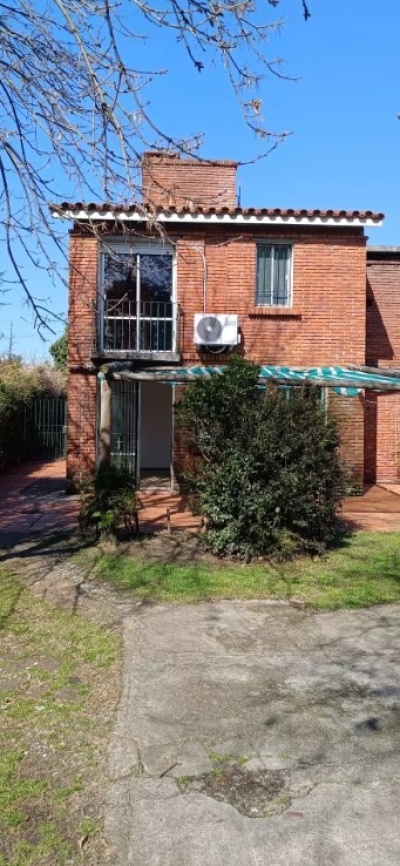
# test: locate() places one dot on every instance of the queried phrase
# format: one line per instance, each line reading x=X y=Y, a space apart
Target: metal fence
x=124 y=424
x=45 y=433
x=149 y=326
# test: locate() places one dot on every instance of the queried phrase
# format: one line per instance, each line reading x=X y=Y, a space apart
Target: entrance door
x=155 y=433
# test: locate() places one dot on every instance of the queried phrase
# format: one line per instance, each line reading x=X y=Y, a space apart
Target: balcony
x=146 y=330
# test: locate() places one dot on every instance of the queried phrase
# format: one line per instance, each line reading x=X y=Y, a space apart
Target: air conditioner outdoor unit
x=215 y=330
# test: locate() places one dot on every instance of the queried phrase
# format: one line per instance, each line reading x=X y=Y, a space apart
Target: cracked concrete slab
x=252 y=734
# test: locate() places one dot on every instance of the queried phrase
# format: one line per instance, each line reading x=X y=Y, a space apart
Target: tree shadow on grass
x=344 y=534
x=10 y=594
x=56 y=545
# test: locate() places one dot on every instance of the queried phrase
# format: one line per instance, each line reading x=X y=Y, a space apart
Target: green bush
x=16 y=389
x=109 y=503
x=265 y=470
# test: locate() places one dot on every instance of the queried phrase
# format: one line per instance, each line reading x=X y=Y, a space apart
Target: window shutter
x=281 y=271
x=264 y=275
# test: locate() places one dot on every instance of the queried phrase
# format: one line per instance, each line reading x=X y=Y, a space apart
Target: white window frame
x=150 y=247
x=267 y=242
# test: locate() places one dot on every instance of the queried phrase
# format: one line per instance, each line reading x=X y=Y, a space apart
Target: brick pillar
x=105 y=421
x=350 y=413
x=382 y=438
x=81 y=442
x=370 y=437
x=82 y=385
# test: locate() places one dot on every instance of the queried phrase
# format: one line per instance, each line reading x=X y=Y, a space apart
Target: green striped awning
x=345 y=381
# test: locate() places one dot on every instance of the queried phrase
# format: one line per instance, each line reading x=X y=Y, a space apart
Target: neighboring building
x=295 y=280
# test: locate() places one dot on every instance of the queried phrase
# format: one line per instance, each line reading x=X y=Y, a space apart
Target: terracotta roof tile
x=107 y=207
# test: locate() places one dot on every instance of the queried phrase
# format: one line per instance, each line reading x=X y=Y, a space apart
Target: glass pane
x=120 y=276
x=264 y=275
x=155 y=277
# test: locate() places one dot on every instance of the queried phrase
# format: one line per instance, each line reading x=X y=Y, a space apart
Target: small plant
x=109 y=504
x=87 y=827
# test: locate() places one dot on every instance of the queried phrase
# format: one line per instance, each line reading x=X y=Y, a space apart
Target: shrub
x=17 y=388
x=266 y=474
x=19 y=384
x=109 y=503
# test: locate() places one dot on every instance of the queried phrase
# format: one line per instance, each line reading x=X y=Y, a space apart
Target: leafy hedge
x=19 y=384
x=265 y=470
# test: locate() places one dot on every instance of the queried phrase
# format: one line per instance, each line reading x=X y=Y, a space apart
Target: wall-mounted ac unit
x=215 y=330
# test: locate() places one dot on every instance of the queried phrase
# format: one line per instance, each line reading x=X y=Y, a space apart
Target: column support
x=105 y=421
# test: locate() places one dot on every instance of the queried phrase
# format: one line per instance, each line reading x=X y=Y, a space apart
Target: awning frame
x=350 y=377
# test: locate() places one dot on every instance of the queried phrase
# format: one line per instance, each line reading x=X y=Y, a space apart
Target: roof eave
x=168 y=217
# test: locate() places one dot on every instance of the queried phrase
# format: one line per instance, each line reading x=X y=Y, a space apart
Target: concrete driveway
x=253 y=734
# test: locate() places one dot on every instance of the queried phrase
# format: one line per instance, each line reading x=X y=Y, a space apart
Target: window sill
x=168 y=357
x=284 y=312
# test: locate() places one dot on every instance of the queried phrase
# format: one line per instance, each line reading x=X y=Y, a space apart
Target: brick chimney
x=174 y=182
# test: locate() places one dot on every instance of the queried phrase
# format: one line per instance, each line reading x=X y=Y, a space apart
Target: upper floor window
x=138 y=277
x=138 y=309
x=274 y=275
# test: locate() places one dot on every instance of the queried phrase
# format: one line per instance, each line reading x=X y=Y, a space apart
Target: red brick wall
x=382 y=423
x=382 y=438
x=325 y=326
x=327 y=322
x=172 y=181
x=81 y=429
x=81 y=440
x=349 y=411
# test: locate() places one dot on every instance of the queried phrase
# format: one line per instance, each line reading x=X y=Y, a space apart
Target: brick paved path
x=33 y=501
x=378 y=510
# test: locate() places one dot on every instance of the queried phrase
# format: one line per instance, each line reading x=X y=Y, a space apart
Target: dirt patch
x=179 y=547
x=255 y=793
x=48 y=567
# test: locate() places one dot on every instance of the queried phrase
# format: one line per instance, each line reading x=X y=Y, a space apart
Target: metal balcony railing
x=148 y=326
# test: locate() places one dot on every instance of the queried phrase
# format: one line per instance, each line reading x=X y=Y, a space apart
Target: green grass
x=58 y=682
x=364 y=570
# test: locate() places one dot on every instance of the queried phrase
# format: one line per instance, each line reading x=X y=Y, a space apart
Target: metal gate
x=45 y=435
x=124 y=445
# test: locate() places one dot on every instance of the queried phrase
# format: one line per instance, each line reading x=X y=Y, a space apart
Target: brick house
x=291 y=285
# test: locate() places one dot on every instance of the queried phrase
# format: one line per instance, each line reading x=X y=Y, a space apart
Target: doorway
x=141 y=430
x=155 y=447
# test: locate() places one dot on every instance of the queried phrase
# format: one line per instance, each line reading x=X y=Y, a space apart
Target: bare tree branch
x=74 y=111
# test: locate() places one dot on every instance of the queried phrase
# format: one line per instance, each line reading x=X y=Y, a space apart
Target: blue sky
x=342 y=112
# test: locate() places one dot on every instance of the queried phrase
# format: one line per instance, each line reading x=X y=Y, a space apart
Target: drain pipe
x=200 y=250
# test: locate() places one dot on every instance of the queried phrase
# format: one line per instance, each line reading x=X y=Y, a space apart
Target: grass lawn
x=364 y=570
x=58 y=689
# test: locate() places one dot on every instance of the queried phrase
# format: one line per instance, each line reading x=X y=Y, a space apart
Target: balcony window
x=138 y=308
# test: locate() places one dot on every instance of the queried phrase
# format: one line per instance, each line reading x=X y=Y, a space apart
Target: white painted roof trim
x=214 y=219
